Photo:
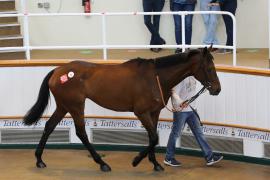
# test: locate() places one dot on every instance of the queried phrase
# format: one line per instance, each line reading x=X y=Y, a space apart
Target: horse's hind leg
x=78 y=117
x=49 y=127
x=146 y=120
x=151 y=154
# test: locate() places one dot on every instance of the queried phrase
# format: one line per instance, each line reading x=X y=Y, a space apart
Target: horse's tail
x=35 y=113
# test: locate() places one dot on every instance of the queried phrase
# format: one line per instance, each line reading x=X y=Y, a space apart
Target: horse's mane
x=172 y=60
x=139 y=61
x=166 y=61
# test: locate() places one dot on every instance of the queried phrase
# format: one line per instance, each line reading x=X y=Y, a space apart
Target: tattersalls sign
x=234 y=132
x=257 y=135
x=136 y=124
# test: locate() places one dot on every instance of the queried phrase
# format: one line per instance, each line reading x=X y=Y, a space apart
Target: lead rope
x=162 y=98
x=187 y=101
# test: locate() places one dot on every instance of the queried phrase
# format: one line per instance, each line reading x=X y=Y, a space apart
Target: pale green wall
x=252 y=24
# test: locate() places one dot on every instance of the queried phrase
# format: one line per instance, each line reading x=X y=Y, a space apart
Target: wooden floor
x=75 y=165
x=245 y=57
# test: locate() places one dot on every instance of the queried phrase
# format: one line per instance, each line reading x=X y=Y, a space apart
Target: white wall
x=252 y=23
x=244 y=99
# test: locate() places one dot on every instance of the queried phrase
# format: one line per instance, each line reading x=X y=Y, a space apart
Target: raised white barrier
x=27 y=47
x=243 y=101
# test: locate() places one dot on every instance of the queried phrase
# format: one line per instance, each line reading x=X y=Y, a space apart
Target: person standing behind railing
x=210 y=21
x=182 y=5
x=153 y=26
x=230 y=6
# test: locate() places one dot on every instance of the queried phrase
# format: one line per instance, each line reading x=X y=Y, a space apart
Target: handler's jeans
x=180 y=118
x=210 y=22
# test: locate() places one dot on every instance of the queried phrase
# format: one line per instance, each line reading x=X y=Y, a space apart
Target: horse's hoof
x=158 y=168
x=105 y=168
x=136 y=161
x=41 y=164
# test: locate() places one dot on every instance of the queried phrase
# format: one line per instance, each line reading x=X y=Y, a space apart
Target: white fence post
x=183 y=15
x=234 y=40
x=25 y=29
x=104 y=37
x=269 y=32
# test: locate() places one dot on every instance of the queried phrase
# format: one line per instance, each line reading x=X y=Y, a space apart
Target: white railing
x=269 y=30
x=27 y=47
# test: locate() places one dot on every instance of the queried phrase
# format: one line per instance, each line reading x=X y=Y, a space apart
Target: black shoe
x=178 y=50
x=162 y=41
x=214 y=159
x=156 y=50
x=172 y=162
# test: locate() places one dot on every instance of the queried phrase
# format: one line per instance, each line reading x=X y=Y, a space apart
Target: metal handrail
x=27 y=47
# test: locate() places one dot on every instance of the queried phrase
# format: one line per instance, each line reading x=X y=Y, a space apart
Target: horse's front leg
x=147 y=122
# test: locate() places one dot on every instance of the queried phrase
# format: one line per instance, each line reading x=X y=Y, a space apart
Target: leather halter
x=206 y=85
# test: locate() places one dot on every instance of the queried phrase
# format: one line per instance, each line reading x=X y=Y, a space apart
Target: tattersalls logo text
x=263 y=136
x=118 y=124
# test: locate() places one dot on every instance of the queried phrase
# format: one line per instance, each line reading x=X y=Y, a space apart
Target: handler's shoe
x=214 y=159
x=172 y=162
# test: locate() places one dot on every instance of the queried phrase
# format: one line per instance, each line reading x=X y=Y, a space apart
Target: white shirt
x=183 y=91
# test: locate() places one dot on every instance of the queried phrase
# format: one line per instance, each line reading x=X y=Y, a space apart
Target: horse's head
x=205 y=71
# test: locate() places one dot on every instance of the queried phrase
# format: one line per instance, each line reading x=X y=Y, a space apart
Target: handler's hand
x=183 y=105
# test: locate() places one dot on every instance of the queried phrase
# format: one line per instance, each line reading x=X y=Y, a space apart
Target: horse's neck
x=173 y=75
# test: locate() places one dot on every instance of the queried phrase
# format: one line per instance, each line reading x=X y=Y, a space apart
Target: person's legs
x=204 y=7
x=188 y=22
x=210 y=157
x=212 y=26
x=229 y=6
x=158 y=6
x=148 y=6
x=210 y=22
x=178 y=124
x=177 y=23
x=196 y=129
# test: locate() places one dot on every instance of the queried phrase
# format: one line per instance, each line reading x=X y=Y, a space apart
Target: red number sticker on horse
x=63 y=79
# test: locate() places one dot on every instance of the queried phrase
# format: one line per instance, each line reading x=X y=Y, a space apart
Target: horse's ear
x=210 y=48
x=205 y=51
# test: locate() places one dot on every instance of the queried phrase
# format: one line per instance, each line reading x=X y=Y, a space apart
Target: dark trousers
x=152 y=22
x=178 y=22
x=229 y=6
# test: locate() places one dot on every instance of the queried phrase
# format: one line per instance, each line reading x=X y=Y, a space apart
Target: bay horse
x=130 y=86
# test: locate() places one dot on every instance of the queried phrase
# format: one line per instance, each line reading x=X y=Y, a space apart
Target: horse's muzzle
x=214 y=92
